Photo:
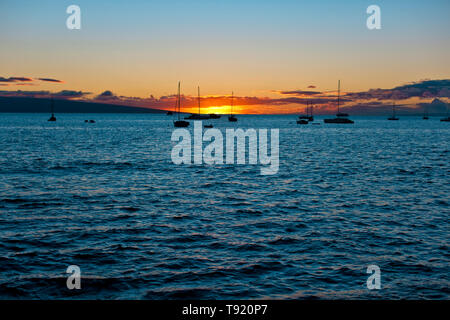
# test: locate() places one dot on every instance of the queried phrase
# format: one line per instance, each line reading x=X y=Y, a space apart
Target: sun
x=219 y=109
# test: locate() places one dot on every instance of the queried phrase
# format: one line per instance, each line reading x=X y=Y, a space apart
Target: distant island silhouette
x=42 y=105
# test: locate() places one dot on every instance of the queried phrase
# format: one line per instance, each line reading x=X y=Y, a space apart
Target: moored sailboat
x=340 y=116
x=198 y=116
x=231 y=117
x=52 y=107
x=310 y=113
x=179 y=123
x=393 y=117
x=304 y=119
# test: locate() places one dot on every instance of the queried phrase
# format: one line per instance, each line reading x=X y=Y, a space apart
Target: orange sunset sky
x=274 y=55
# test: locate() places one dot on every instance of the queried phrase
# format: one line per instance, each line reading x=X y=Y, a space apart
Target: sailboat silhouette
x=393 y=113
x=52 y=107
x=231 y=117
x=340 y=116
x=179 y=123
x=198 y=116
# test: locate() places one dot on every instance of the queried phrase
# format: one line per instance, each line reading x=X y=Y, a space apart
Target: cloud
x=304 y=101
x=69 y=94
x=20 y=81
x=422 y=89
x=300 y=92
x=107 y=96
x=64 y=94
x=363 y=102
x=20 y=93
x=15 y=79
x=51 y=80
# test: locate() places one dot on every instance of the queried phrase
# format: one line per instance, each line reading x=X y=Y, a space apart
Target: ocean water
x=107 y=197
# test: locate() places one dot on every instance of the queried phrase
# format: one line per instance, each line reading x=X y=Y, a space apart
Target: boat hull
x=181 y=124
x=339 y=120
x=197 y=117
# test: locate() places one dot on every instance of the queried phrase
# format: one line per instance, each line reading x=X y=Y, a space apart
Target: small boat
x=304 y=119
x=303 y=116
x=91 y=121
x=52 y=106
x=179 y=123
x=214 y=116
x=169 y=113
x=340 y=116
x=198 y=116
x=310 y=116
x=393 y=113
x=309 y=112
x=231 y=117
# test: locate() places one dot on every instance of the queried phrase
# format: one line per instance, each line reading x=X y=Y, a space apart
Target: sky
x=135 y=52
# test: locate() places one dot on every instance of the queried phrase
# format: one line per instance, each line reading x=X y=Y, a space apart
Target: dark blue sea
x=106 y=197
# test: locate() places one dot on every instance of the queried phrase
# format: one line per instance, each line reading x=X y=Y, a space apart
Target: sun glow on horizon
x=213 y=109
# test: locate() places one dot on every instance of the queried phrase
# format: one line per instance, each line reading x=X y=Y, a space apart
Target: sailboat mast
x=178 y=101
x=232 y=95
x=198 y=92
x=339 y=93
